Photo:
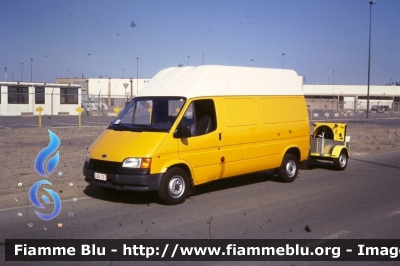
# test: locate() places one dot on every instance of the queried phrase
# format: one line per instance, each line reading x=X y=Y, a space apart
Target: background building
x=22 y=98
x=106 y=93
x=351 y=97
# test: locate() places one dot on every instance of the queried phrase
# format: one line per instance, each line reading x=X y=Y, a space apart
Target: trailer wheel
x=289 y=168
x=174 y=186
x=340 y=163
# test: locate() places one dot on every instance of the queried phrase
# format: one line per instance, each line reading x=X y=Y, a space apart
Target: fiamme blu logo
x=44 y=166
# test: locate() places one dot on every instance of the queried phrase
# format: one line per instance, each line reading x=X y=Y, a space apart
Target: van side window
x=200 y=117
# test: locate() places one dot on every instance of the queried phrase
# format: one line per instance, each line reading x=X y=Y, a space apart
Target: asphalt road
x=362 y=202
x=54 y=121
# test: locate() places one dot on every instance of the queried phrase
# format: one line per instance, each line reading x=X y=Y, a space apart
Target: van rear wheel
x=289 y=168
x=174 y=186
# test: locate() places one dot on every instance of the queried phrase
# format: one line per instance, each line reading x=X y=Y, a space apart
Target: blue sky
x=323 y=40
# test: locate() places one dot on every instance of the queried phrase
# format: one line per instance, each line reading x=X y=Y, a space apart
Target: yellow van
x=192 y=125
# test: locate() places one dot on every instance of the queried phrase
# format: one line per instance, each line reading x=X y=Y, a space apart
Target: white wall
x=52 y=94
x=360 y=90
x=3 y=101
x=13 y=109
x=352 y=92
x=115 y=87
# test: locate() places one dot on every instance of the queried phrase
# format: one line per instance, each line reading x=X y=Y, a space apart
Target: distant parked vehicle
x=384 y=108
x=93 y=106
x=375 y=108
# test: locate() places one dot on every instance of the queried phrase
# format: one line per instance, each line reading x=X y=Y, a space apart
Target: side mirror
x=182 y=132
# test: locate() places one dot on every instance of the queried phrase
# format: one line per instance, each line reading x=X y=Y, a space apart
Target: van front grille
x=105 y=165
x=108 y=167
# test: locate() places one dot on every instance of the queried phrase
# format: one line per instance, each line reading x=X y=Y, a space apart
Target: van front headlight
x=87 y=157
x=143 y=163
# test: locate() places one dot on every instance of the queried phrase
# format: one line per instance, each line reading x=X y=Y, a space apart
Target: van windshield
x=149 y=114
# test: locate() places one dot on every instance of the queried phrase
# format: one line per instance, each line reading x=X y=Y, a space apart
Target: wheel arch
x=295 y=151
x=338 y=149
x=188 y=171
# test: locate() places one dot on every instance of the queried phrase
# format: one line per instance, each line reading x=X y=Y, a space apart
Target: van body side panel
x=240 y=118
x=257 y=131
x=166 y=155
x=242 y=136
x=287 y=118
x=241 y=111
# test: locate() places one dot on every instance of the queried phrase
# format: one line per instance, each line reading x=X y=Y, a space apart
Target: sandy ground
x=19 y=148
x=374 y=137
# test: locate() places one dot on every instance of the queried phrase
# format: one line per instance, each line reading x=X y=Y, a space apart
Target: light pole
x=333 y=88
x=283 y=56
x=22 y=72
x=31 y=68
x=5 y=75
x=369 y=54
x=137 y=75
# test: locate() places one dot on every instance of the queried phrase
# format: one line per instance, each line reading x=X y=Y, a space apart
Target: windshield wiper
x=150 y=127
x=119 y=126
x=142 y=125
x=132 y=127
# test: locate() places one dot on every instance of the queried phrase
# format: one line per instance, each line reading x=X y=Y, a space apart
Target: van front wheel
x=289 y=168
x=174 y=186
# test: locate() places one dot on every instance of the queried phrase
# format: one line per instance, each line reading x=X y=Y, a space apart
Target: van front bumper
x=133 y=182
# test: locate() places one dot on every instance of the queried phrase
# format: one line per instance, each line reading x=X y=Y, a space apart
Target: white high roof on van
x=211 y=80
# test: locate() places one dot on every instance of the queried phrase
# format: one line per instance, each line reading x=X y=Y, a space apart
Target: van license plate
x=99 y=176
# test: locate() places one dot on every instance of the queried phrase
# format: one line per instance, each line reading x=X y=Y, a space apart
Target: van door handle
x=220 y=136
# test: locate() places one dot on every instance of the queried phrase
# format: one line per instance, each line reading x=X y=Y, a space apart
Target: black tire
x=340 y=163
x=174 y=186
x=289 y=168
